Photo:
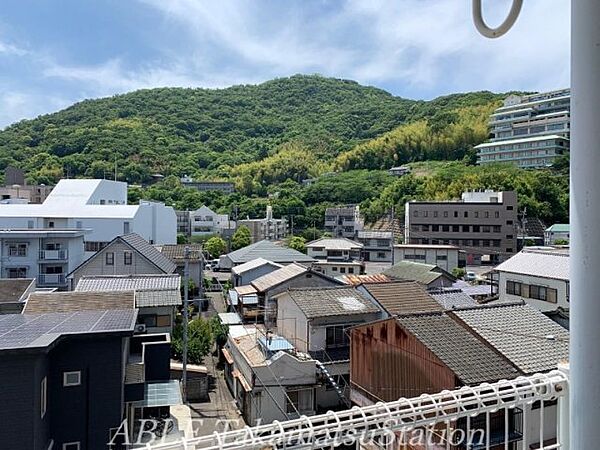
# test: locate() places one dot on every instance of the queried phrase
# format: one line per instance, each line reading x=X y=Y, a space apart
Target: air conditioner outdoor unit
x=140 y=328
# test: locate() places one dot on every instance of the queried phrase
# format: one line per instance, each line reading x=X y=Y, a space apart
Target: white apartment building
x=98 y=205
x=204 y=221
x=529 y=131
x=539 y=276
x=268 y=228
x=47 y=255
x=447 y=257
x=344 y=221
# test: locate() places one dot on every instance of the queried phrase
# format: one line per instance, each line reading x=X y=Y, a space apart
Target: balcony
x=53 y=255
x=433 y=421
x=54 y=279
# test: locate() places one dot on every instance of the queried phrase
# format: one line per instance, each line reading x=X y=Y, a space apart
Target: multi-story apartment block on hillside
x=529 y=131
x=484 y=224
x=344 y=221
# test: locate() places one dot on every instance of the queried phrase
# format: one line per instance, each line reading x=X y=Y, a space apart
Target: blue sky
x=56 y=52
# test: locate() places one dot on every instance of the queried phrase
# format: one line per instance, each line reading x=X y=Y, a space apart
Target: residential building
x=265 y=249
x=176 y=254
x=244 y=301
x=343 y=221
x=245 y=273
x=399 y=297
x=46 y=254
x=399 y=171
x=423 y=353
x=529 y=131
x=339 y=268
x=204 y=221
x=537 y=276
x=377 y=245
x=203 y=185
x=315 y=321
x=334 y=249
x=268 y=378
x=98 y=205
x=557 y=232
x=129 y=254
x=428 y=275
x=16 y=189
x=184 y=223
x=453 y=298
x=268 y=228
x=156 y=297
x=484 y=224
x=14 y=293
x=287 y=277
x=447 y=257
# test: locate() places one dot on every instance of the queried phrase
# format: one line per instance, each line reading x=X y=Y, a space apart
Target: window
x=298 y=401
x=16 y=272
x=455 y=213
x=509 y=208
x=475 y=242
x=416 y=214
x=476 y=214
x=425 y=214
x=435 y=228
x=127 y=258
x=509 y=250
x=163 y=320
x=291 y=402
x=17 y=249
x=455 y=228
x=30 y=224
x=442 y=257
x=43 y=396
x=513 y=288
x=497 y=229
x=445 y=213
x=79 y=224
x=496 y=214
x=445 y=228
x=380 y=255
x=342 y=270
x=509 y=236
x=485 y=228
x=476 y=228
x=542 y=293
x=71 y=446
x=336 y=336
x=71 y=378
x=350 y=269
x=334 y=269
x=92 y=246
x=424 y=227
x=435 y=214
x=485 y=243
x=110 y=258
x=466 y=213
x=466 y=228
x=487 y=214
x=51 y=224
x=126 y=228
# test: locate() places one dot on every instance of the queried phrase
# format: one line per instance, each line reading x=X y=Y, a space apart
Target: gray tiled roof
x=333 y=301
x=539 y=263
x=148 y=251
x=524 y=335
x=48 y=302
x=462 y=352
x=176 y=252
x=278 y=276
x=414 y=271
x=267 y=250
x=454 y=299
x=402 y=297
x=12 y=289
x=19 y=331
x=250 y=265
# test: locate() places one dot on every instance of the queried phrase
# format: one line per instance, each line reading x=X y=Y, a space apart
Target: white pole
x=585 y=217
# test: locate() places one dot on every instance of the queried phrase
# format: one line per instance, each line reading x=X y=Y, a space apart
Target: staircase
x=339 y=390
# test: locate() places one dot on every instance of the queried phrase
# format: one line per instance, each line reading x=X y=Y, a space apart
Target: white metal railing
x=54 y=254
x=437 y=418
x=51 y=278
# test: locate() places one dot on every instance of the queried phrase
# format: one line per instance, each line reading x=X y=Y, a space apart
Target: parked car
x=470 y=276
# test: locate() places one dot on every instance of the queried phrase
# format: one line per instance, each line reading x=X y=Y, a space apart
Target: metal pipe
x=503 y=28
x=584 y=217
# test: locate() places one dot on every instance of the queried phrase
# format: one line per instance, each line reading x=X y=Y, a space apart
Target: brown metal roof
x=78 y=301
x=355 y=280
x=176 y=252
x=402 y=297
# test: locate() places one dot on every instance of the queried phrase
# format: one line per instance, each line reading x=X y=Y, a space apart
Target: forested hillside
x=267 y=138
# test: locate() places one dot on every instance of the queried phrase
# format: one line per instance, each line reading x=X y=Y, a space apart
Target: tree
x=215 y=246
x=200 y=340
x=458 y=272
x=298 y=243
x=561 y=242
x=241 y=238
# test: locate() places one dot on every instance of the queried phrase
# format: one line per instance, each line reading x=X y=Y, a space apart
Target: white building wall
x=432 y=256
x=561 y=286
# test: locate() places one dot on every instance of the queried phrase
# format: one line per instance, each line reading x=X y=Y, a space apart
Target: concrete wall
x=446 y=259
x=561 y=286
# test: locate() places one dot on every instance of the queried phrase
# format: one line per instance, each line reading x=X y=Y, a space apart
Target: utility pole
x=201 y=285
x=186 y=276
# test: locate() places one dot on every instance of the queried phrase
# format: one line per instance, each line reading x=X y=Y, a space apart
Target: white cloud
x=17 y=105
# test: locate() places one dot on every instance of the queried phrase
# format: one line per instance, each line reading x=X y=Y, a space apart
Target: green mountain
x=244 y=132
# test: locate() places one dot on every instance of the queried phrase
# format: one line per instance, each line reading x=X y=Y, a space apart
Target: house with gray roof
x=454 y=298
x=265 y=249
x=249 y=271
x=400 y=297
x=157 y=296
x=429 y=275
x=176 y=253
x=14 y=293
x=538 y=276
x=129 y=254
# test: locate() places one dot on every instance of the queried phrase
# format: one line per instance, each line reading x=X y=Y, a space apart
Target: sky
x=56 y=52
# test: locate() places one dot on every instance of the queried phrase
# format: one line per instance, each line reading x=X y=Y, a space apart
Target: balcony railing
x=54 y=255
x=437 y=418
x=51 y=278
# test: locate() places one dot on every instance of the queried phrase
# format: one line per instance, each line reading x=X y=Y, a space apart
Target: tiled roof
x=454 y=299
x=524 y=335
x=148 y=251
x=159 y=297
x=176 y=252
x=402 y=297
x=559 y=228
x=278 y=276
x=332 y=301
x=538 y=263
x=250 y=265
x=371 y=234
x=335 y=244
x=19 y=331
x=359 y=279
x=49 y=302
x=269 y=251
x=414 y=271
x=13 y=289
x=462 y=352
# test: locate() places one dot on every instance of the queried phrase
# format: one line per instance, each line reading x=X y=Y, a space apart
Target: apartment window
x=476 y=228
x=476 y=214
x=435 y=228
x=336 y=336
x=17 y=249
x=509 y=208
x=350 y=269
x=110 y=258
x=79 y=224
x=71 y=378
x=497 y=228
x=445 y=227
x=71 y=446
x=455 y=228
x=127 y=258
x=466 y=213
x=424 y=227
x=496 y=242
x=103 y=202
x=486 y=214
x=334 y=269
x=513 y=288
x=485 y=243
x=475 y=242
x=92 y=246
x=16 y=272
x=416 y=213
x=425 y=213
x=442 y=257
x=486 y=228
x=445 y=213
x=496 y=214
x=466 y=228
x=509 y=236
x=126 y=227
x=509 y=250
x=43 y=396
x=30 y=224
x=342 y=270
x=435 y=214
x=51 y=224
